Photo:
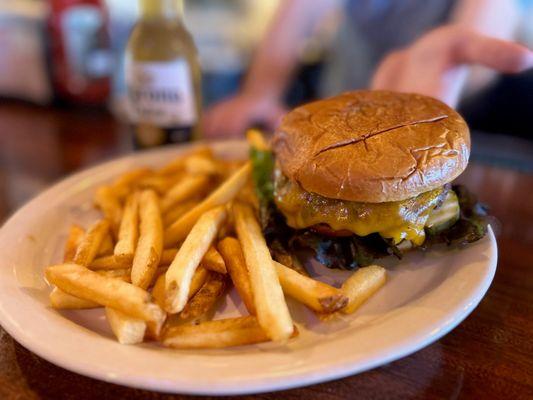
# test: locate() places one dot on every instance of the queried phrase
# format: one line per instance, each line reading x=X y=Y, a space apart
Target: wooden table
x=488 y=356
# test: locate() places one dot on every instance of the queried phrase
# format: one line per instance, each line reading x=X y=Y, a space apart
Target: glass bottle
x=162 y=75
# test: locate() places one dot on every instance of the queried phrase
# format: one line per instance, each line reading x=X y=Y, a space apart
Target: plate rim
x=468 y=304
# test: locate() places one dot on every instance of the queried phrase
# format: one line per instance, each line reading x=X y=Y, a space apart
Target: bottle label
x=160 y=93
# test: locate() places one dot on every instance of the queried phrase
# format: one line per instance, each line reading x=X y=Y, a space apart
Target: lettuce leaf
x=262 y=174
x=340 y=252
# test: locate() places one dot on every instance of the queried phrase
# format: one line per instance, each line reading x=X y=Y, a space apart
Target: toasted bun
x=372 y=146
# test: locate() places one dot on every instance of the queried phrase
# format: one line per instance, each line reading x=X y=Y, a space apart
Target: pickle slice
x=445 y=216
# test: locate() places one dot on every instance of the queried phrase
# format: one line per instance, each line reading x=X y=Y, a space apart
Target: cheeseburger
x=366 y=174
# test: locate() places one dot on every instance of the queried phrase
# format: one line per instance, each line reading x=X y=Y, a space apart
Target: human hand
x=437 y=64
x=231 y=117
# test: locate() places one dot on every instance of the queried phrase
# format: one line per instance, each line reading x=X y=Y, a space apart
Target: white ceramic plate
x=425 y=297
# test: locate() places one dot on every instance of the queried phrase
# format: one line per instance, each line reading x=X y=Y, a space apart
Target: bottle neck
x=159 y=9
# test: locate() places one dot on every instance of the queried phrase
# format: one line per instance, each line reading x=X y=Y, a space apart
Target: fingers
x=402 y=71
x=450 y=85
x=213 y=121
x=232 y=117
x=273 y=118
x=501 y=55
x=209 y=122
x=436 y=65
x=389 y=72
x=223 y=120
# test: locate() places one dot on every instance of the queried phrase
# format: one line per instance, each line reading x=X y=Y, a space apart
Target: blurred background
x=63 y=93
x=225 y=33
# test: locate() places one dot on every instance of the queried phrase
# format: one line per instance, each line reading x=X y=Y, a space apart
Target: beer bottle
x=162 y=76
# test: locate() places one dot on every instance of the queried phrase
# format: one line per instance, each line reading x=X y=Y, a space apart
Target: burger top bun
x=372 y=146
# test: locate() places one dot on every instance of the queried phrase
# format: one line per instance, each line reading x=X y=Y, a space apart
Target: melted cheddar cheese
x=397 y=220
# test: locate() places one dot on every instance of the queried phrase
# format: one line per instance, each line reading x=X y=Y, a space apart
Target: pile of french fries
x=170 y=244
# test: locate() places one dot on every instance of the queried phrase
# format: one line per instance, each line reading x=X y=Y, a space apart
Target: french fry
x=271 y=309
x=361 y=285
x=248 y=195
x=158 y=291
x=75 y=236
x=168 y=256
x=198 y=280
x=256 y=139
x=89 y=245
x=213 y=261
x=81 y=282
x=123 y=274
x=129 y=178
x=162 y=270
x=228 y=229
x=182 y=190
x=229 y=167
x=124 y=184
x=316 y=295
x=201 y=165
x=64 y=301
x=231 y=251
x=154 y=329
x=175 y=320
x=205 y=299
x=217 y=334
x=128 y=330
x=106 y=200
x=106 y=247
x=178 y=164
x=160 y=184
x=189 y=256
x=222 y=195
x=109 y=262
x=128 y=233
x=150 y=244
x=177 y=211
x=175 y=166
x=289 y=260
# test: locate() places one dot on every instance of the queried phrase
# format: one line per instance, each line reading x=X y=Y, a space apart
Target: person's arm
x=260 y=97
x=278 y=54
x=494 y=18
x=438 y=63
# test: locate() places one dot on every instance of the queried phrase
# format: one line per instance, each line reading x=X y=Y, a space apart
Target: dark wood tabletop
x=488 y=356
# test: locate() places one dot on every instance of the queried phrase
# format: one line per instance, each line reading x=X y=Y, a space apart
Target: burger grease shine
x=368 y=162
